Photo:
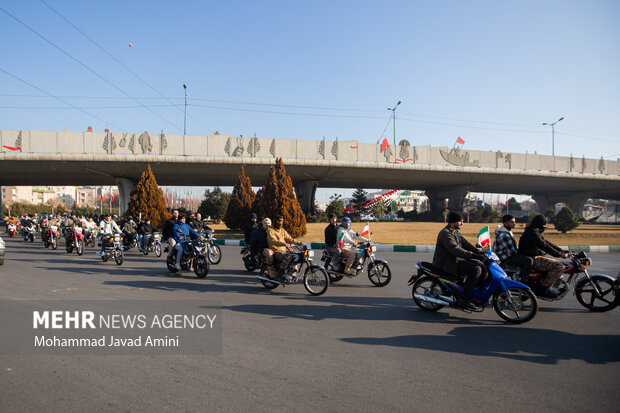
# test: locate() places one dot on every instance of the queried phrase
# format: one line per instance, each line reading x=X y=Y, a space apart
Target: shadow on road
x=533 y=345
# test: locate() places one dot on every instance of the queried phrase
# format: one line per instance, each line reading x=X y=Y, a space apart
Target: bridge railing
x=106 y=143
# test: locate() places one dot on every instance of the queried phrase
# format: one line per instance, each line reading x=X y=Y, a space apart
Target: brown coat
x=450 y=247
x=277 y=239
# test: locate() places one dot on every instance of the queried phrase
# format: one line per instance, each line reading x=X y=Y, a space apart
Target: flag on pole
x=101 y=193
x=340 y=239
x=111 y=196
x=460 y=140
x=384 y=144
x=366 y=231
x=484 y=238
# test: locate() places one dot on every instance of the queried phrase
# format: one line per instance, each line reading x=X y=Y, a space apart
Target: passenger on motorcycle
x=533 y=244
x=68 y=225
x=346 y=242
x=280 y=243
x=89 y=226
x=331 y=241
x=147 y=229
x=130 y=226
x=250 y=226
x=259 y=246
x=182 y=233
x=107 y=228
x=167 y=231
x=505 y=247
x=456 y=256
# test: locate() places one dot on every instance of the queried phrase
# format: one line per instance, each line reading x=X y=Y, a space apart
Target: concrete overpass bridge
x=93 y=158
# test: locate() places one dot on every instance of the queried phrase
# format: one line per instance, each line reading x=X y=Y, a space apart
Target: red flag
x=12 y=148
x=384 y=144
x=111 y=197
x=459 y=140
x=506 y=202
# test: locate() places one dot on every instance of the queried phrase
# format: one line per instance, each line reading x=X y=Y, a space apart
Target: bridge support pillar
x=306 y=192
x=455 y=196
x=1 y=207
x=125 y=188
x=574 y=200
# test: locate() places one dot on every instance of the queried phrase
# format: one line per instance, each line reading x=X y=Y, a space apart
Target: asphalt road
x=356 y=348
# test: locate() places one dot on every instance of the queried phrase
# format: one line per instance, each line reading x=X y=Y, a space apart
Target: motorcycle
x=91 y=238
x=378 y=270
x=11 y=230
x=315 y=277
x=193 y=257
x=112 y=248
x=130 y=240
x=28 y=233
x=250 y=262
x=51 y=237
x=153 y=245
x=432 y=289
x=596 y=292
x=76 y=241
x=212 y=250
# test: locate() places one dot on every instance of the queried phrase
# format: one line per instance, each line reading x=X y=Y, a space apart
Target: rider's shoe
x=349 y=272
x=177 y=266
x=465 y=303
x=552 y=292
x=287 y=277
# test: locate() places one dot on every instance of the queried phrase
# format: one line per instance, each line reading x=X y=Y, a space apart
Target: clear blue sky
x=488 y=71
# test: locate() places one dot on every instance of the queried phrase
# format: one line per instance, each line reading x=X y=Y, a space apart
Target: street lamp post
x=553 y=134
x=185 y=118
x=394 y=121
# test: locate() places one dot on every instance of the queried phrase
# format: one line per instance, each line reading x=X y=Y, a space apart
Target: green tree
x=148 y=200
x=336 y=206
x=566 y=220
x=549 y=214
x=359 y=198
x=215 y=203
x=514 y=205
x=378 y=210
x=240 y=204
x=277 y=197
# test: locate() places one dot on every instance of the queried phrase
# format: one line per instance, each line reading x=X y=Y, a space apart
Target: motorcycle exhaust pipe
x=260 y=277
x=430 y=299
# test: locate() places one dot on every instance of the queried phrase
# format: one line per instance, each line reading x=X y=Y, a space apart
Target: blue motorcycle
x=514 y=302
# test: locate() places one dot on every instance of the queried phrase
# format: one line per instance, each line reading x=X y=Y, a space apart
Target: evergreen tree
x=336 y=206
x=277 y=197
x=514 y=205
x=215 y=203
x=240 y=205
x=566 y=220
x=148 y=200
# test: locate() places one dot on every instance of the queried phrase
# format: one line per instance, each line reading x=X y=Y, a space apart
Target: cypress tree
x=277 y=197
x=148 y=199
x=240 y=205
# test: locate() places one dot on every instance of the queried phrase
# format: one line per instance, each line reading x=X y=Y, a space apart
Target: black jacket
x=258 y=241
x=247 y=230
x=167 y=231
x=532 y=244
x=331 y=236
x=147 y=229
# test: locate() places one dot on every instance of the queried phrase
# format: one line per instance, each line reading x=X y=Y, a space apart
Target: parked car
x=367 y=217
x=2 y=248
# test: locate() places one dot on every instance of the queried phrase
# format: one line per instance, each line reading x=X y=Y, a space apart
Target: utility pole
x=394 y=124
x=553 y=134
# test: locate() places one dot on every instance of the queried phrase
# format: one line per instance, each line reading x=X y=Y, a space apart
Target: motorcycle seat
x=429 y=267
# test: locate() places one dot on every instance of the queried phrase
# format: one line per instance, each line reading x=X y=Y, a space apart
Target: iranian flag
x=366 y=231
x=340 y=239
x=484 y=238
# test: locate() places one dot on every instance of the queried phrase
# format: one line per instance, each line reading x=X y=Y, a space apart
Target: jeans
x=179 y=248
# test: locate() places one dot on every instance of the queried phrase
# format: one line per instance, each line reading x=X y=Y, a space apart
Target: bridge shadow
x=523 y=344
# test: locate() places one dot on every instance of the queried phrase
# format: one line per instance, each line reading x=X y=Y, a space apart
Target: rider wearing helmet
x=346 y=243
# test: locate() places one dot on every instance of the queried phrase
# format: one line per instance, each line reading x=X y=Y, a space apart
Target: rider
x=167 y=231
x=68 y=225
x=259 y=245
x=280 y=243
x=107 y=228
x=250 y=226
x=182 y=232
x=533 y=244
x=89 y=227
x=130 y=227
x=505 y=247
x=147 y=229
x=331 y=241
x=346 y=242
x=456 y=256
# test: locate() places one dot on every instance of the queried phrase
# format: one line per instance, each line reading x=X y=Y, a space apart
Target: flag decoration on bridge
x=384 y=144
x=484 y=237
x=460 y=140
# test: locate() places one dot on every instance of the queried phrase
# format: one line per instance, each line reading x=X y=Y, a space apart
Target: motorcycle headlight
x=374 y=248
x=311 y=254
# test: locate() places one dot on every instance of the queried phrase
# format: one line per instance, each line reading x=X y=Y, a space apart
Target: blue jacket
x=183 y=231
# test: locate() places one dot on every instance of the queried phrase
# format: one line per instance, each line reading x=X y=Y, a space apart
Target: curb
x=431 y=248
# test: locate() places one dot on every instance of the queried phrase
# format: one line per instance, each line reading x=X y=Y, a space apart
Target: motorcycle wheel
x=316 y=280
x=201 y=267
x=80 y=247
x=46 y=244
x=32 y=238
x=590 y=298
x=170 y=264
x=157 y=250
x=515 y=305
x=54 y=243
x=91 y=242
x=118 y=257
x=69 y=248
x=334 y=278
x=427 y=286
x=145 y=251
x=249 y=266
x=264 y=272
x=379 y=274
x=105 y=258
x=215 y=254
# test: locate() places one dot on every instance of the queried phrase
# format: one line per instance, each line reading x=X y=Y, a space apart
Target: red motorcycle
x=51 y=237
x=596 y=292
x=76 y=241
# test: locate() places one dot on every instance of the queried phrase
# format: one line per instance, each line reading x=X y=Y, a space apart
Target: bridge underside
x=440 y=182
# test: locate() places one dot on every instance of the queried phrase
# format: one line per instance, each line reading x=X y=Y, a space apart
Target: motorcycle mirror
x=357 y=234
